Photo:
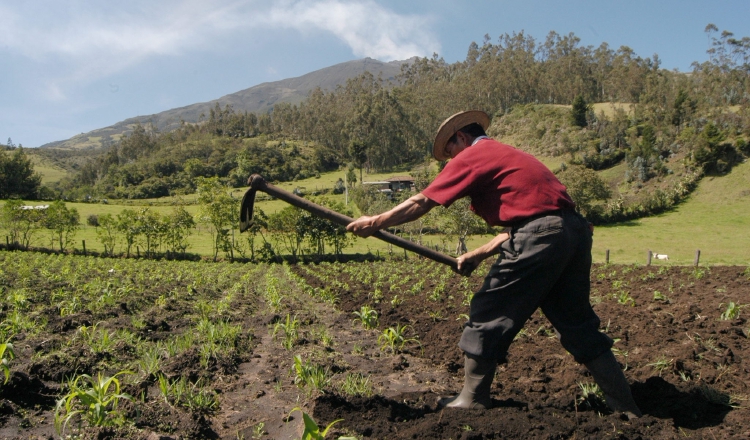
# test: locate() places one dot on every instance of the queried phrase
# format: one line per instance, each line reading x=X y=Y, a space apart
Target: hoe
x=258 y=183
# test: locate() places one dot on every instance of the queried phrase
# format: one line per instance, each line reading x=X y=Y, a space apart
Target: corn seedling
x=394 y=339
x=308 y=375
x=312 y=430
x=396 y=301
x=6 y=355
x=149 y=363
x=591 y=395
x=625 y=299
x=732 y=311
x=661 y=365
x=658 y=296
x=192 y=396
x=95 y=400
x=356 y=384
x=291 y=331
x=367 y=316
x=259 y=430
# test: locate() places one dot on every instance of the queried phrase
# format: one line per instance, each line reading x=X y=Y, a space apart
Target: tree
x=458 y=221
x=179 y=225
x=284 y=225
x=152 y=228
x=106 y=232
x=218 y=210
x=20 y=222
x=579 y=111
x=128 y=225
x=63 y=222
x=17 y=175
x=358 y=155
x=585 y=187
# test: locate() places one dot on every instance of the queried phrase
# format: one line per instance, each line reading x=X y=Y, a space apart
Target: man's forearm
x=409 y=210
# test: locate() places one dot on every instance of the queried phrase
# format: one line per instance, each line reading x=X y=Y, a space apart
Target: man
x=545 y=257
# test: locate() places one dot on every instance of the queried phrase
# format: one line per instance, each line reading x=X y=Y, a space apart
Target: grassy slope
x=715 y=219
x=49 y=171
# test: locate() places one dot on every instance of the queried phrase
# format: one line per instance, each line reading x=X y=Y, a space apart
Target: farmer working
x=545 y=257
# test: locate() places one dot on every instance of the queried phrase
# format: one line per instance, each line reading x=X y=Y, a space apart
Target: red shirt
x=505 y=185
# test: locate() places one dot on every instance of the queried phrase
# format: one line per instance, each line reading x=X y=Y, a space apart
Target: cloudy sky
x=68 y=67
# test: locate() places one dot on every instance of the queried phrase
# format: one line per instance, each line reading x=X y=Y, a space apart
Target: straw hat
x=451 y=125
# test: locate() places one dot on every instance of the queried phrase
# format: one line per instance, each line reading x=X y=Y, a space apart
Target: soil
x=688 y=367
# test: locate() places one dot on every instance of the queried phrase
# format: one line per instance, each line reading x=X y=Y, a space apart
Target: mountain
x=260 y=98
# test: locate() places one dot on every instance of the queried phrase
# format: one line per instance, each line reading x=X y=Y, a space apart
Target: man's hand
x=363 y=226
x=467 y=263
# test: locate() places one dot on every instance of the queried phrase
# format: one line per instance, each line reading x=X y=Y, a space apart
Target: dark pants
x=546 y=263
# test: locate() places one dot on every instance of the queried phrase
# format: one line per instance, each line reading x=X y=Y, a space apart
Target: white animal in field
x=661 y=257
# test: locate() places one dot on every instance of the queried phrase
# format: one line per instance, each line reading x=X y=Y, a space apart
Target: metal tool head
x=256 y=182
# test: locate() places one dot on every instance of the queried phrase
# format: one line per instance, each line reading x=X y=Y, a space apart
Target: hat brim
x=450 y=126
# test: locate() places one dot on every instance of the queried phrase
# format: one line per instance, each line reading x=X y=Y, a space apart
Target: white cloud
x=368 y=28
x=76 y=42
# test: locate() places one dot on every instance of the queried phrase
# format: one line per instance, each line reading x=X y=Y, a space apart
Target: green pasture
x=715 y=220
x=50 y=172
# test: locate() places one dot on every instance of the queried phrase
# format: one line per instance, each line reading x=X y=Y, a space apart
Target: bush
x=92 y=220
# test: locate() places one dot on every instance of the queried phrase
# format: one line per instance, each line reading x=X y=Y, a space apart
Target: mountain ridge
x=259 y=98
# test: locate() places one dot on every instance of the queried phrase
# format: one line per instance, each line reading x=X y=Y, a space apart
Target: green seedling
x=312 y=430
x=95 y=400
x=658 y=296
x=661 y=365
x=591 y=395
x=732 y=311
x=625 y=299
x=367 y=316
x=356 y=384
x=192 y=396
x=309 y=375
x=290 y=328
x=394 y=339
x=6 y=355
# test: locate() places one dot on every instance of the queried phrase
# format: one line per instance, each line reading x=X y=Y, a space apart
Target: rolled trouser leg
x=478 y=375
x=610 y=378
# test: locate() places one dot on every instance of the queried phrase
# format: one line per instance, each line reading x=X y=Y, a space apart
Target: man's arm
x=411 y=209
x=470 y=260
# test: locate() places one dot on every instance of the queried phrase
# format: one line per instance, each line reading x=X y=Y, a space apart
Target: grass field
x=50 y=173
x=715 y=220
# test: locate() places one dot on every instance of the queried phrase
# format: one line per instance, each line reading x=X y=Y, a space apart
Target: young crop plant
x=94 y=400
x=394 y=339
x=6 y=355
x=312 y=430
x=732 y=311
x=661 y=365
x=367 y=316
x=357 y=384
x=624 y=298
x=290 y=328
x=193 y=396
x=658 y=296
x=310 y=376
x=591 y=395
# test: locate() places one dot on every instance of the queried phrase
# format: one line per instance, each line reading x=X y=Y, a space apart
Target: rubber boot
x=478 y=375
x=610 y=378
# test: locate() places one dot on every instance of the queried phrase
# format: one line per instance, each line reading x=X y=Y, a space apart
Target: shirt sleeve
x=453 y=183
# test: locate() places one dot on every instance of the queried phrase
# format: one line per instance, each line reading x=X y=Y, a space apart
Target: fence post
x=84 y=247
x=405 y=254
x=697 y=257
x=606 y=257
x=648 y=258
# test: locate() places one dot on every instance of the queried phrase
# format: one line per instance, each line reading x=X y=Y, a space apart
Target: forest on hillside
x=643 y=151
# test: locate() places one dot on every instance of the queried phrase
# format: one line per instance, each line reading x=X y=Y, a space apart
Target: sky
x=69 y=67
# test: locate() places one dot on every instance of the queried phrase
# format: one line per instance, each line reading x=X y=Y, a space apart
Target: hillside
x=260 y=98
